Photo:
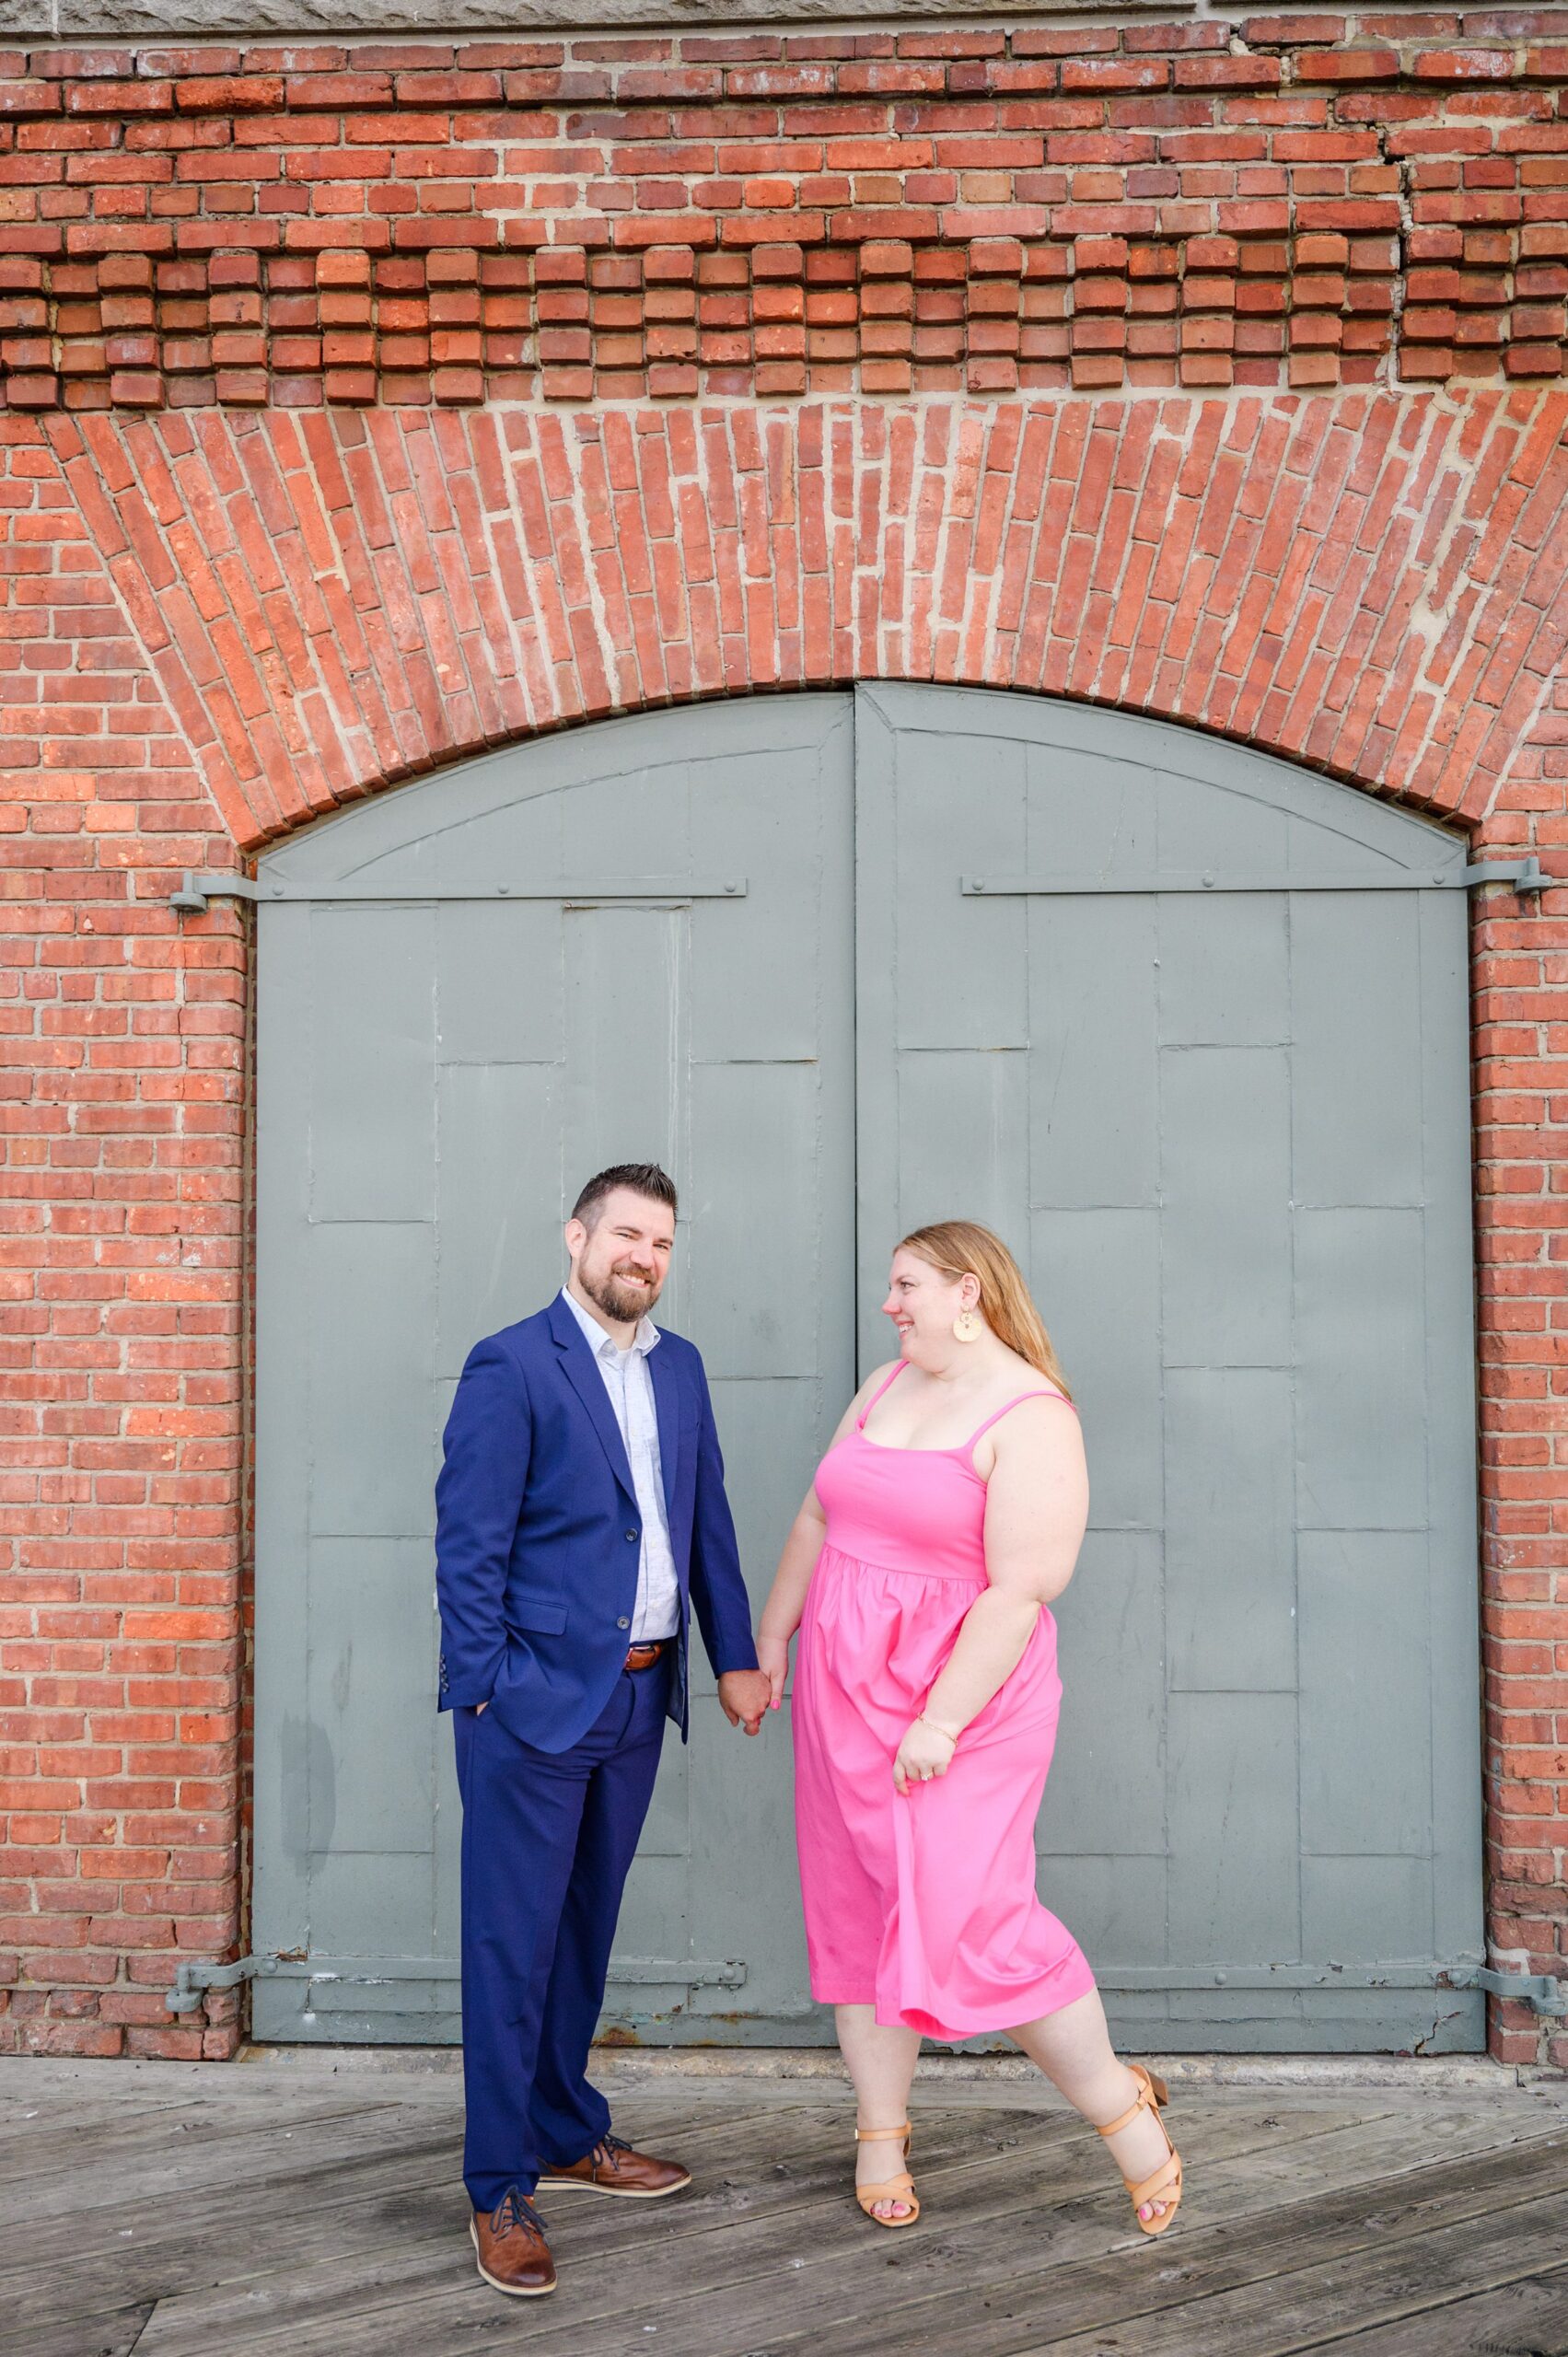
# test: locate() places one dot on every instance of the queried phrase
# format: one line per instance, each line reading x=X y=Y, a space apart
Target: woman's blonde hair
x=962 y=1247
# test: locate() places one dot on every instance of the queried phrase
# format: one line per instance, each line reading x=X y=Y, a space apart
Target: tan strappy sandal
x=898 y=2188
x=1165 y=2183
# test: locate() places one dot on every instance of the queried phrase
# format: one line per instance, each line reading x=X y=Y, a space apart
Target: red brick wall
x=1294 y=199
x=120 y=1432
x=218 y=619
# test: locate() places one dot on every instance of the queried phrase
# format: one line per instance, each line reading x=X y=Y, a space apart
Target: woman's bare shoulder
x=1044 y=1417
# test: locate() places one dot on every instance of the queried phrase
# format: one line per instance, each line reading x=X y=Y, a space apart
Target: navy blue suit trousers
x=562 y=1826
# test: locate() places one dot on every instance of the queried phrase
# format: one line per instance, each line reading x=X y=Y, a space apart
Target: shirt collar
x=598 y=1342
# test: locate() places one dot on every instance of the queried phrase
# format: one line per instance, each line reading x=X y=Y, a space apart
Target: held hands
x=744 y=1698
x=925 y=1751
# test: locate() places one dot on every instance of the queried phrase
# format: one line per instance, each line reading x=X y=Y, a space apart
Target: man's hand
x=744 y=1696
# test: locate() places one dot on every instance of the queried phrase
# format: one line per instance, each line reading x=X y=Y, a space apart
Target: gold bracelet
x=924 y=1721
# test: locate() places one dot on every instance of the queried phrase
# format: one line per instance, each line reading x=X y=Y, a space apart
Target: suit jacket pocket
x=536 y=1613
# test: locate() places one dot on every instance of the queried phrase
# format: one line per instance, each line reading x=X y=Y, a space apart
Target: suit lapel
x=667 y=1406
x=588 y=1384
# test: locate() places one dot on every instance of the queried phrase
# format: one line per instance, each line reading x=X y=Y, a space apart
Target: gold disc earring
x=967 y=1325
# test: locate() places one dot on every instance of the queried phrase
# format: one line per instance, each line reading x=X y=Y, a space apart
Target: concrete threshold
x=639 y=2066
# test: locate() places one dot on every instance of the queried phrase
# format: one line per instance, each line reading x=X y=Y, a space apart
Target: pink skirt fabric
x=923 y=1906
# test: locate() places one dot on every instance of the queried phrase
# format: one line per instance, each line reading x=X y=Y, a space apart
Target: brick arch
x=333 y=600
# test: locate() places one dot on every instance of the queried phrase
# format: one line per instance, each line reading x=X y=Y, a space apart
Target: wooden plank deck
x=172 y=2211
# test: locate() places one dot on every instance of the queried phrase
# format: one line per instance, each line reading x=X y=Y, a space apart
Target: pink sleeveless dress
x=924 y=1905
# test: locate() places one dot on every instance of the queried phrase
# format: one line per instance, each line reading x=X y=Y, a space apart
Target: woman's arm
x=1037 y=1504
x=786 y=1597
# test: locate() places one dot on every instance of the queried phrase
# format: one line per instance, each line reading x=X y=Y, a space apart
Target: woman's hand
x=925 y=1751
x=772 y=1660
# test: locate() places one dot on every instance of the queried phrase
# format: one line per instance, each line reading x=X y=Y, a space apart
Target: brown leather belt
x=644 y=1656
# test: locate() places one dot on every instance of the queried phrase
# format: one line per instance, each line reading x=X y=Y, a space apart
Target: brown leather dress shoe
x=512 y=2254
x=613 y=2167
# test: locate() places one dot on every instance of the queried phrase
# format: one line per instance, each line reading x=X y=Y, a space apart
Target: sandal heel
x=1163 y=2184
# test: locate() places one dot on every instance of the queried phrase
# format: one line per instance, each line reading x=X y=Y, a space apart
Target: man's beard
x=622 y=1301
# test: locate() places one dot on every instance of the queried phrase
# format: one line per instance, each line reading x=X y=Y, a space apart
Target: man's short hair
x=642 y=1178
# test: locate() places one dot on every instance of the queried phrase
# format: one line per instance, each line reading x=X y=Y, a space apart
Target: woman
x=945 y=1519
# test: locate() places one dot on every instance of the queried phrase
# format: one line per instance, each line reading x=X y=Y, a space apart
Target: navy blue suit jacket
x=537 y=1532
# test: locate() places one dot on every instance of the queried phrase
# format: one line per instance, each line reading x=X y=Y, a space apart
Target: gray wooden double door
x=1186 y=1025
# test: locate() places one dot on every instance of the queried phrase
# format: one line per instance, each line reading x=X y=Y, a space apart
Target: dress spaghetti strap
x=1007 y=1411
x=860 y=1420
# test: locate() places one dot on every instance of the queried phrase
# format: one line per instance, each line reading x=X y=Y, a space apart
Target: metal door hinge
x=191 y=1980
x=195 y=891
x=1524 y=875
x=1546 y=1995
x=1539 y=1990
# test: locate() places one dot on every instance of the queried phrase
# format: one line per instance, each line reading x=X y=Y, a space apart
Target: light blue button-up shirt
x=630 y=1385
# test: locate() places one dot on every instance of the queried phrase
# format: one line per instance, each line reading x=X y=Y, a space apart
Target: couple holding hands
x=581 y=1520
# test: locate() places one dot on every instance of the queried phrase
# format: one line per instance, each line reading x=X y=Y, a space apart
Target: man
x=581 y=1517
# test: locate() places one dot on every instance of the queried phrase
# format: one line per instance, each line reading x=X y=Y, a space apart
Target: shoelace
x=514 y=2210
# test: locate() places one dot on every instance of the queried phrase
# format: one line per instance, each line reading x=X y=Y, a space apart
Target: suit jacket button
x=623 y=1625
x=632 y=1537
